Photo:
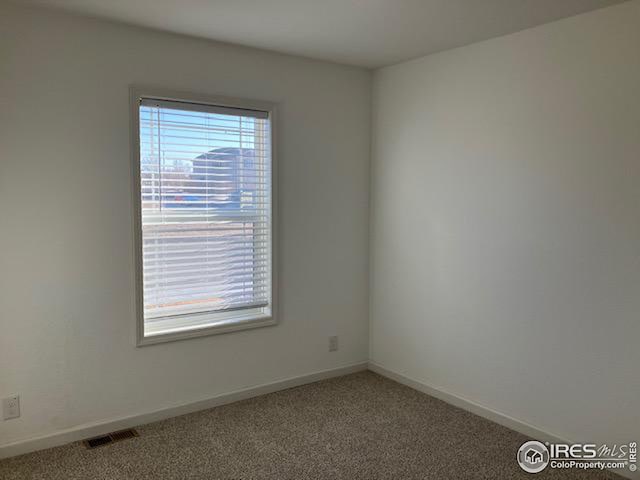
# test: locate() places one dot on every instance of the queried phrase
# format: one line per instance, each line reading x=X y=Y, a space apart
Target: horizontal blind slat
x=230 y=295
x=158 y=314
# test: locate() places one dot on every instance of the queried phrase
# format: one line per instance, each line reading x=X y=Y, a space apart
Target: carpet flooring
x=360 y=426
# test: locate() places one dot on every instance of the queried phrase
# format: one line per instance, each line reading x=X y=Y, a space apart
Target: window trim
x=136 y=93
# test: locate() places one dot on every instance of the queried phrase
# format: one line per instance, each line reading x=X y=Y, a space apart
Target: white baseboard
x=531 y=431
x=89 y=430
x=469 y=405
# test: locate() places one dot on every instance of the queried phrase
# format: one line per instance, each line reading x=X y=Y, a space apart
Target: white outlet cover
x=11 y=407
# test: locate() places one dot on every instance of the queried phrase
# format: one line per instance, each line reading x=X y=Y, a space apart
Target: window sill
x=235 y=325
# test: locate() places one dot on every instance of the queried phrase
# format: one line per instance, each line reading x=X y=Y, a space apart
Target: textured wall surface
x=506 y=224
x=66 y=248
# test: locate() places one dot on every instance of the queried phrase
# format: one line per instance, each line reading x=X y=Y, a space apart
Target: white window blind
x=205 y=198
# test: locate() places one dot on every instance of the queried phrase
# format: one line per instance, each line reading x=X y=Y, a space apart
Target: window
x=204 y=195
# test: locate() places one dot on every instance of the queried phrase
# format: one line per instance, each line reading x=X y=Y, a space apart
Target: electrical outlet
x=11 y=407
x=333 y=343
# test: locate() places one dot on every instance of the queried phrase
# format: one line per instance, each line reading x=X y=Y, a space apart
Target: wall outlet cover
x=11 y=407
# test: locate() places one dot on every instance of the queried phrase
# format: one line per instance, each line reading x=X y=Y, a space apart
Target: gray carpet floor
x=359 y=426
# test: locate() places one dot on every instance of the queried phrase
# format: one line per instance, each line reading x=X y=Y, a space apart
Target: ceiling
x=367 y=33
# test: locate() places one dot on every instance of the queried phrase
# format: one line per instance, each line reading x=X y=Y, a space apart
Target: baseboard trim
x=531 y=431
x=88 y=430
x=469 y=405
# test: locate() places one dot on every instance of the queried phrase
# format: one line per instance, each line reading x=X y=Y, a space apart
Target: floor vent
x=110 y=438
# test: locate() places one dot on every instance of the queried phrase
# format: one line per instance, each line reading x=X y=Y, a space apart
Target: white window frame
x=237 y=323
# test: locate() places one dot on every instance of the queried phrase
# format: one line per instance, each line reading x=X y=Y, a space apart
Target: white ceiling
x=368 y=33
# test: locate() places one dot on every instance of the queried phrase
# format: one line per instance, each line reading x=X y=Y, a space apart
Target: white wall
x=66 y=260
x=506 y=224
